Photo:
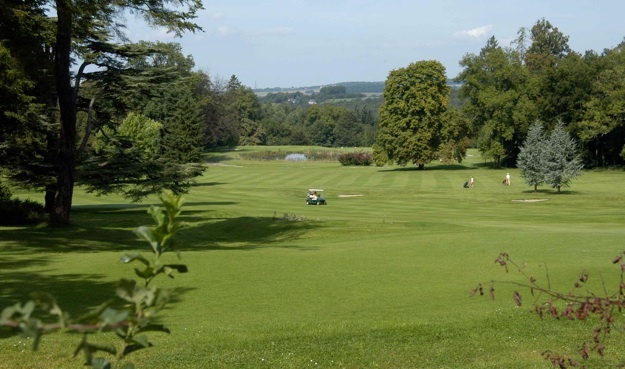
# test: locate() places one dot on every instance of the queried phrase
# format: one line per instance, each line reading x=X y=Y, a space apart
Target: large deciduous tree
x=415 y=100
x=548 y=46
x=602 y=127
x=498 y=100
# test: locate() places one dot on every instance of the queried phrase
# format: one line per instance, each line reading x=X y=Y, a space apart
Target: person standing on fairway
x=508 y=179
x=471 y=181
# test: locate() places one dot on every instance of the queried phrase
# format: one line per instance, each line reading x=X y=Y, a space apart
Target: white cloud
x=475 y=32
x=224 y=31
x=218 y=15
x=279 y=31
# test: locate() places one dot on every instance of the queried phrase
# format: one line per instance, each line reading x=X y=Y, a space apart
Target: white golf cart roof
x=315 y=190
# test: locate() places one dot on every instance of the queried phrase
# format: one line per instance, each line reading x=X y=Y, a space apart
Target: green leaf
x=132 y=257
x=147 y=234
x=142 y=340
x=112 y=317
x=94 y=315
x=131 y=348
x=126 y=289
x=47 y=302
x=139 y=342
x=8 y=312
x=105 y=347
x=169 y=268
x=157 y=214
x=146 y=273
x=154 y=328
x=100 y=363
x=27 y=309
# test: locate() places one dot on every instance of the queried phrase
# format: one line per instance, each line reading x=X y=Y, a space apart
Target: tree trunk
x=51 y=154
x=66 y=158
x=535 y=188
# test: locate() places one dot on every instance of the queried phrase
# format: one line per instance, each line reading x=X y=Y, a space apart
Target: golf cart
x=315 y=197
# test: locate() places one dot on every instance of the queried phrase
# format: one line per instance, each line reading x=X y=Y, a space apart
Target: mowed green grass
x=378 y=280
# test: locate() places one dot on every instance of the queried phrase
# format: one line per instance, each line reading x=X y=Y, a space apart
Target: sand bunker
x=530 y=200
x=350 y=195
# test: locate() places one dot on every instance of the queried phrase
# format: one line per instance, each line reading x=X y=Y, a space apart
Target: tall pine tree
x=532 y=156
x=563 y=164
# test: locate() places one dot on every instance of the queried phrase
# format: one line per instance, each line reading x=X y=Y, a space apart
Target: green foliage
x=348 y=122
x=563 y=163
x=601 y=127
x=81 y=36
x=137 y=130
x=14 y=211
x=5 y=192
x=532 y=157
x=454 y=134
x=379 y=156
x=132 y=320
x=355 y=158
x=499 y=100
x=547 y=47
x=553 y=159
x=20 y=212
x=23 y=157
x=336 y=91
x=143 y=156
x=415 y=99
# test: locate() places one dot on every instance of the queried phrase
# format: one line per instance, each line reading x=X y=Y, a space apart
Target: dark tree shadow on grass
x=245 y=233
x=206 y=184
x=110 y=228
x=427 y=168
x=76 y=294
x=551 y=192
x=26 y=253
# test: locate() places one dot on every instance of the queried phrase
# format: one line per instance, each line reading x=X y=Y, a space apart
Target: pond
x=296 y=157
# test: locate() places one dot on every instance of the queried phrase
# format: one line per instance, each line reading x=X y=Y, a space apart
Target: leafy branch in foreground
x=130 y=320
x=576 y=304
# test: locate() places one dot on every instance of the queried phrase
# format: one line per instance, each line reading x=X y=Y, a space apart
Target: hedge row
x=355 y=158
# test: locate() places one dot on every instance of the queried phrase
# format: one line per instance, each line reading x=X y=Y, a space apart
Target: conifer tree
x=563 y=164
x=532 y=156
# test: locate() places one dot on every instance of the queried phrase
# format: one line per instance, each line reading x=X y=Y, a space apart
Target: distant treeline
x=351 y=87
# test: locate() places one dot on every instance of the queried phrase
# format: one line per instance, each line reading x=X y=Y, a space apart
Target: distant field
x=377 y=280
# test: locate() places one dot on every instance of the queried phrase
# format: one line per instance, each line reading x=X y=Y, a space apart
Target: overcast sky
x=286 y=43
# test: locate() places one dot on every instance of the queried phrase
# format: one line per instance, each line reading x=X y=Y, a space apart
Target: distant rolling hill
x=352 y=88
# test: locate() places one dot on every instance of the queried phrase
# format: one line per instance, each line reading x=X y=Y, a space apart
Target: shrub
x=5 y=192
x=20 y=212
x=355 y=158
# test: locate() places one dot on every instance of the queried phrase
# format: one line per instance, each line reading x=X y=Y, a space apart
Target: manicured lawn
x=378 y=280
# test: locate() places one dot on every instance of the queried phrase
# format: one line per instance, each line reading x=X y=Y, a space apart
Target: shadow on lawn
x=110 y=228
x=450 y=167
x=550 y=192
x=246 y=233
x=76 y=294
